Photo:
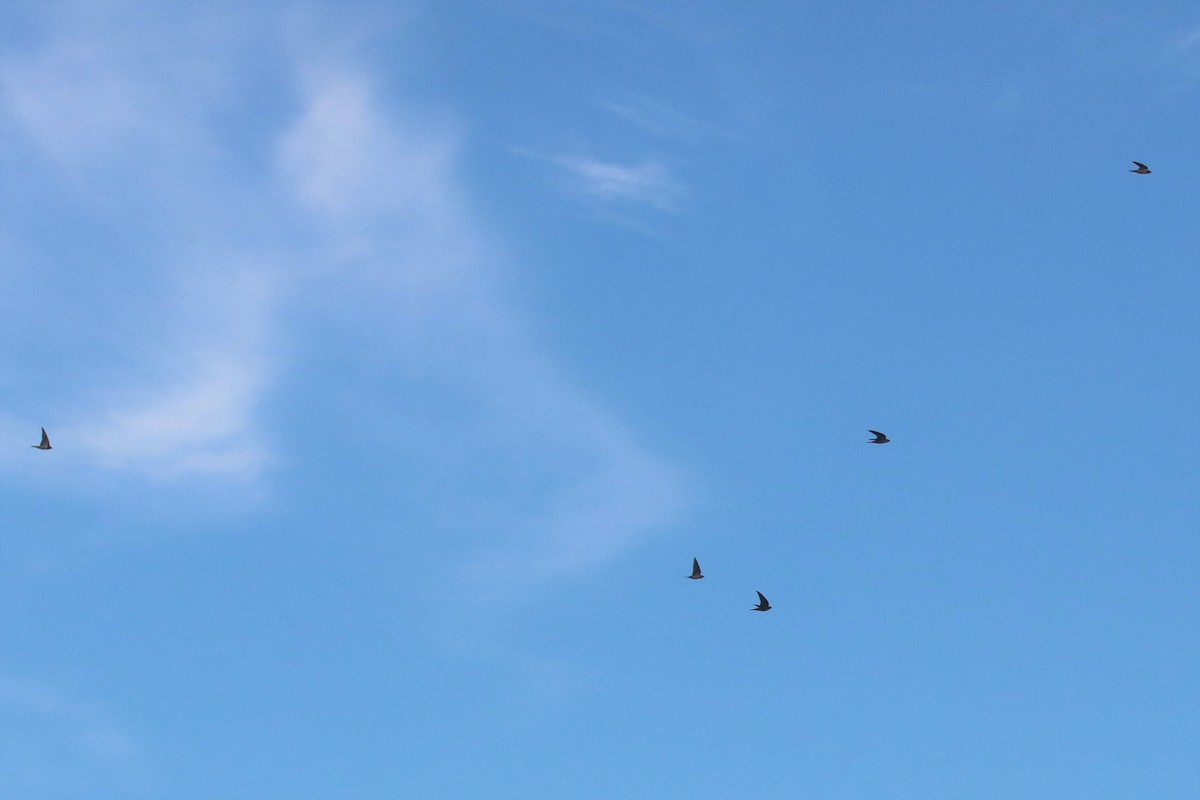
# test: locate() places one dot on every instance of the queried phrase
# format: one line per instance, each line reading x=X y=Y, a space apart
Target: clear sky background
x=399 y=357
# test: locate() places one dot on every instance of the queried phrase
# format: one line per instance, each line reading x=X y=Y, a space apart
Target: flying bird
x=879 y=438
x=45 y=443
x=1142 y=169
x=695 y=570
x=763 y=605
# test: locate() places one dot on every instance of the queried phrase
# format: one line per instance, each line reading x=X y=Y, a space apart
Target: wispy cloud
x=556 y=484
x=55 y=745
x=656 y=117
x=164 y=376
x=197 y=414
x=1184 y=43
x=1179 y=58
x=74 y=101
x=643 y=183
x=352 y=205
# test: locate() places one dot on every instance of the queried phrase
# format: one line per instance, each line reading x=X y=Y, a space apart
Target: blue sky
x=399 y=357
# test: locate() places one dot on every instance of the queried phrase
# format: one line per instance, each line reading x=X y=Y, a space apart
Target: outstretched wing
x=1141 y=165
x=45 y=439
x=695 y=568
x=762 y=601
x=877 y=433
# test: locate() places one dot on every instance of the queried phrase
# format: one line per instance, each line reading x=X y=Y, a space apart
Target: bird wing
x=762 y=601
x=877 y=433
x=1140 y=164
x=45 y=438
x=695 y=566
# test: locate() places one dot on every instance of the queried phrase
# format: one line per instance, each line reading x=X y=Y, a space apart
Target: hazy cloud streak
x=397 y=227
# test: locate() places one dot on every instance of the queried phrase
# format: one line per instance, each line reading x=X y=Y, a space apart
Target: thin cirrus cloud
x=656 y=117
x=356 y=209
x=644 y=183
x=197 y=413
x=164 y=373
x=74 y=101
x=1184 y=43
x=557 y=483
x=1181 y=55
x=65 y=744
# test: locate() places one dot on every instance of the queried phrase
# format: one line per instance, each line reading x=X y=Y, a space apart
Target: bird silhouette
x=879 y=438
x=695 y=570
x=1142 y=169
x=763 y=605
x=45 y=443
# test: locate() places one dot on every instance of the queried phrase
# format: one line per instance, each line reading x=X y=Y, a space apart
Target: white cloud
x=546 y=479
x=182 y=400
x=342 y=158
x=648 y=182
x=203 y=424
x=163 y=378
x=191 y=408
x=357 y=212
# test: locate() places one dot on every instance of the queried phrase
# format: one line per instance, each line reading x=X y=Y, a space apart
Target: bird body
x=45 y=443
x=1142 y=169
x=879 y=438
x=696 y=574
x=763 y=605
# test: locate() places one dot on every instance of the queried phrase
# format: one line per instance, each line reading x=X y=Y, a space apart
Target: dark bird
x=1142 y=169
x=45 y=443
x=763 y=605
x=879 y=438
x=695 y=570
